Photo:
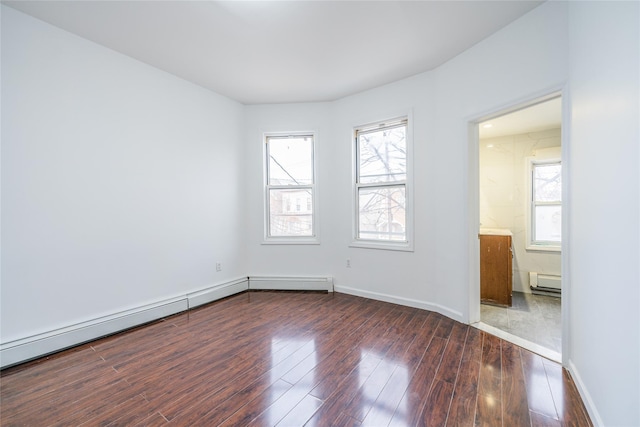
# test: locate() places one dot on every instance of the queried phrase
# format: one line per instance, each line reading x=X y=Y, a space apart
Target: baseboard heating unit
x=291 y=283
x=547 y=284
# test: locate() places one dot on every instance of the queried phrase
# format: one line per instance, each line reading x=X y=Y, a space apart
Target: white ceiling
x=539 y=117
x=284 y=51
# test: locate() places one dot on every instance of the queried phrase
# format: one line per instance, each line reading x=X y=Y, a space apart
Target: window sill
x=400 y=246
x=543 y=248
x=291 y=241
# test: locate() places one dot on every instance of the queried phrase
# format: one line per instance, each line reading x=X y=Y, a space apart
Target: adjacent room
x=520 y=188
x=275 y=213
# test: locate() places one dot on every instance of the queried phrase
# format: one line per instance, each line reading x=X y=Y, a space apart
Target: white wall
x=504 y=196
x=121 y=184
x=288 y=260
x=605 y=251
x=406 y=277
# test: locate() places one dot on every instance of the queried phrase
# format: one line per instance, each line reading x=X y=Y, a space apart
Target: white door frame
x=473 y=179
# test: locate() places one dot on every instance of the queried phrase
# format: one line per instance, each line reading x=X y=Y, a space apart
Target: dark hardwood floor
x=293 y=359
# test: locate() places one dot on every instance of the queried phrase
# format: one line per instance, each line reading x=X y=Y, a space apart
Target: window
x=545 y=225
x=289 y=180
x=381 y=185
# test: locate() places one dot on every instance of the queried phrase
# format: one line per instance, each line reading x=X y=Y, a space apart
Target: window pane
x=548 y=223
x=547 y=184
x=382 y=155
x=382 y=213
x=290 y=160
x=289 y=217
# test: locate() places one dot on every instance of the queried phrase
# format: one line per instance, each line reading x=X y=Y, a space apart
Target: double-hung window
x=290 y=188
x=545 y=225
x=381 y=179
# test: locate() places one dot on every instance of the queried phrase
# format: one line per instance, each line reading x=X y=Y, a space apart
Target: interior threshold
x=533 y=347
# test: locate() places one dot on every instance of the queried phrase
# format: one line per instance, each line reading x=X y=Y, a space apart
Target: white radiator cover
x=545 y=281
x=298 y=283
x=31 y=347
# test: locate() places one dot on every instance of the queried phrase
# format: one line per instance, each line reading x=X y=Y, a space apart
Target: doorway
x=520 y=225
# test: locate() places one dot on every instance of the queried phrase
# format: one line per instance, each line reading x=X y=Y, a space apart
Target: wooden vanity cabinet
x=496 y=280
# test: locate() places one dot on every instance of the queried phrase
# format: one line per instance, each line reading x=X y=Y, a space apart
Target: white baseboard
x=18 y=351
x=291 y=283
x=214 y=293
x=31 y=347
x=402 y=301
x=586 y=397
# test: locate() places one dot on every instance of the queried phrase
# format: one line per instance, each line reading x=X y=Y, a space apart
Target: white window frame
x=531 y=244
x=407 y=244
x=290 y=240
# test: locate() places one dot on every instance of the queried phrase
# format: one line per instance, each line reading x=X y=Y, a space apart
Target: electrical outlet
x=348 y=263
x=218 y=266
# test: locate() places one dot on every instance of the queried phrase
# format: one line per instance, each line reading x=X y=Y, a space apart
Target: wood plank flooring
x=293 y=359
